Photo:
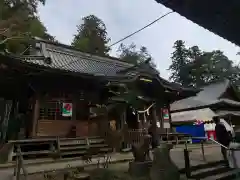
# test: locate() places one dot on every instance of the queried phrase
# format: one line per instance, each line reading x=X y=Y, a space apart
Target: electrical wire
x=153 y=22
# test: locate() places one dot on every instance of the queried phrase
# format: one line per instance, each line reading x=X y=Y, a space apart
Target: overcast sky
x=123 y=17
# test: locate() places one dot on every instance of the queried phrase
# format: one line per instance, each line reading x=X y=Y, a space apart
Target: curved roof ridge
x=75 y=50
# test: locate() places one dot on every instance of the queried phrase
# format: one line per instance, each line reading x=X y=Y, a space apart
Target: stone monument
x=163 y=168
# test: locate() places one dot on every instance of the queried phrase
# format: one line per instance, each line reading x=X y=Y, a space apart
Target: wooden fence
x=134 y=136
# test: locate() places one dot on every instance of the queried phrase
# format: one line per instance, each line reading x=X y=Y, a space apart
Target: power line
x=156 y=20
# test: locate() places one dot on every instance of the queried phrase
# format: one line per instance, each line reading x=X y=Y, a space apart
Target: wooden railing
x=90 y=147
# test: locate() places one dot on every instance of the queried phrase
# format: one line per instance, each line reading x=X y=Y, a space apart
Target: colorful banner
x=198 y=122
x=67 y=109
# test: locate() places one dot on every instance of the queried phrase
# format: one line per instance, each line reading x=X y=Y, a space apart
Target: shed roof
x=209 y=95
x=218 y=16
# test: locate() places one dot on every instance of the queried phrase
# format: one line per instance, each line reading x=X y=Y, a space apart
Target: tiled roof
x=68 y=59
x=209 y=95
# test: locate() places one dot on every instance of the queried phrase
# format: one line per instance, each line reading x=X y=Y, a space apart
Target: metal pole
x=187 y=163
x=203 y=152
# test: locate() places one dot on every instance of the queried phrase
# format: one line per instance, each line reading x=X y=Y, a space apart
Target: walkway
x=212 y=153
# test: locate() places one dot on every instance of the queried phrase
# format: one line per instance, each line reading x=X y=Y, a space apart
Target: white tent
x=205 y=114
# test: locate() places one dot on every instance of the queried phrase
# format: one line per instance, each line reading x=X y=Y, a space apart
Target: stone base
x=81 y=176
x=139 y=169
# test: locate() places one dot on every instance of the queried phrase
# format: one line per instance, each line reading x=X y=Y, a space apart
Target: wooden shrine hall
x=57 y=91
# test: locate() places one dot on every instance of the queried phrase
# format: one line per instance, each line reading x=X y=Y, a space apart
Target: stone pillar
x=162 y=166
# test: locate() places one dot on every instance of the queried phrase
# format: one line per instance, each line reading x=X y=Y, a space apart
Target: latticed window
x=55 y=110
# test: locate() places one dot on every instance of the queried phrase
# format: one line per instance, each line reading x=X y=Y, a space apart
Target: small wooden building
x=59 y=91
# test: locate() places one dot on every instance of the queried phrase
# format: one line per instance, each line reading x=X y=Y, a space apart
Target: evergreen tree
x=193 y=67
x=18 y=22
x=133 y=55
x=91 y=36
x=179 y=66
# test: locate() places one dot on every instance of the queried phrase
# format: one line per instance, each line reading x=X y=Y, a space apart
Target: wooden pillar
x=155 y=118
x=170 y=119
x=139 y=124
x=35 y=116
x=74 y=107
x=161 y=119
x=155 y=135
x=123 y=119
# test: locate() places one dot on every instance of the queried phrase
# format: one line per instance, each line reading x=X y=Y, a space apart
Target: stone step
x=208 y=172
x=34 y=152
x=81 y=141
x=213 y=171
x=65 y=148
x=230 y=175
x=207 y=165
x=82 y=152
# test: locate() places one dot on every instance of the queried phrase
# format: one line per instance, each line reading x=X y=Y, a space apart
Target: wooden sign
x=165 y=114
x=67 y=109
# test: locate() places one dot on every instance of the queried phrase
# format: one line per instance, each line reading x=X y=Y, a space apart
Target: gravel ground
x=211 y=154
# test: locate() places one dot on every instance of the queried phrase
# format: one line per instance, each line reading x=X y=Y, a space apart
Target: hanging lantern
x=198 y=122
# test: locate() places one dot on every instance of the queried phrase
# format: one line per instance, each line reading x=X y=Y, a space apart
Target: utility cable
x=130 y=35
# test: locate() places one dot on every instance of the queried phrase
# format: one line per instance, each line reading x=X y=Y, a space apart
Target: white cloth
x=228 y=127
x=207 y=127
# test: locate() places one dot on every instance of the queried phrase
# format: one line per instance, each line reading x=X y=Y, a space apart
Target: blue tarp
x=194 y=130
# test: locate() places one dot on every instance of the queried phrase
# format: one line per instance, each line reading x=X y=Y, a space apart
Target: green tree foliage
x=193 y=67
x=91 y=36
x=180 y=72
x=133 y=55
x=18 y=22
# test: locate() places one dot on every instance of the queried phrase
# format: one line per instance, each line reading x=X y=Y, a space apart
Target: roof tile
x=75 y=61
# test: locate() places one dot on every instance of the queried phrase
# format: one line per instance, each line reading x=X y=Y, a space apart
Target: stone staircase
x=212 y=171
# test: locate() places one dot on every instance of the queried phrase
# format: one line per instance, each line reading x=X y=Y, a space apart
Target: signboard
x=165 y=114
x=67 y=109
x=166 y=125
